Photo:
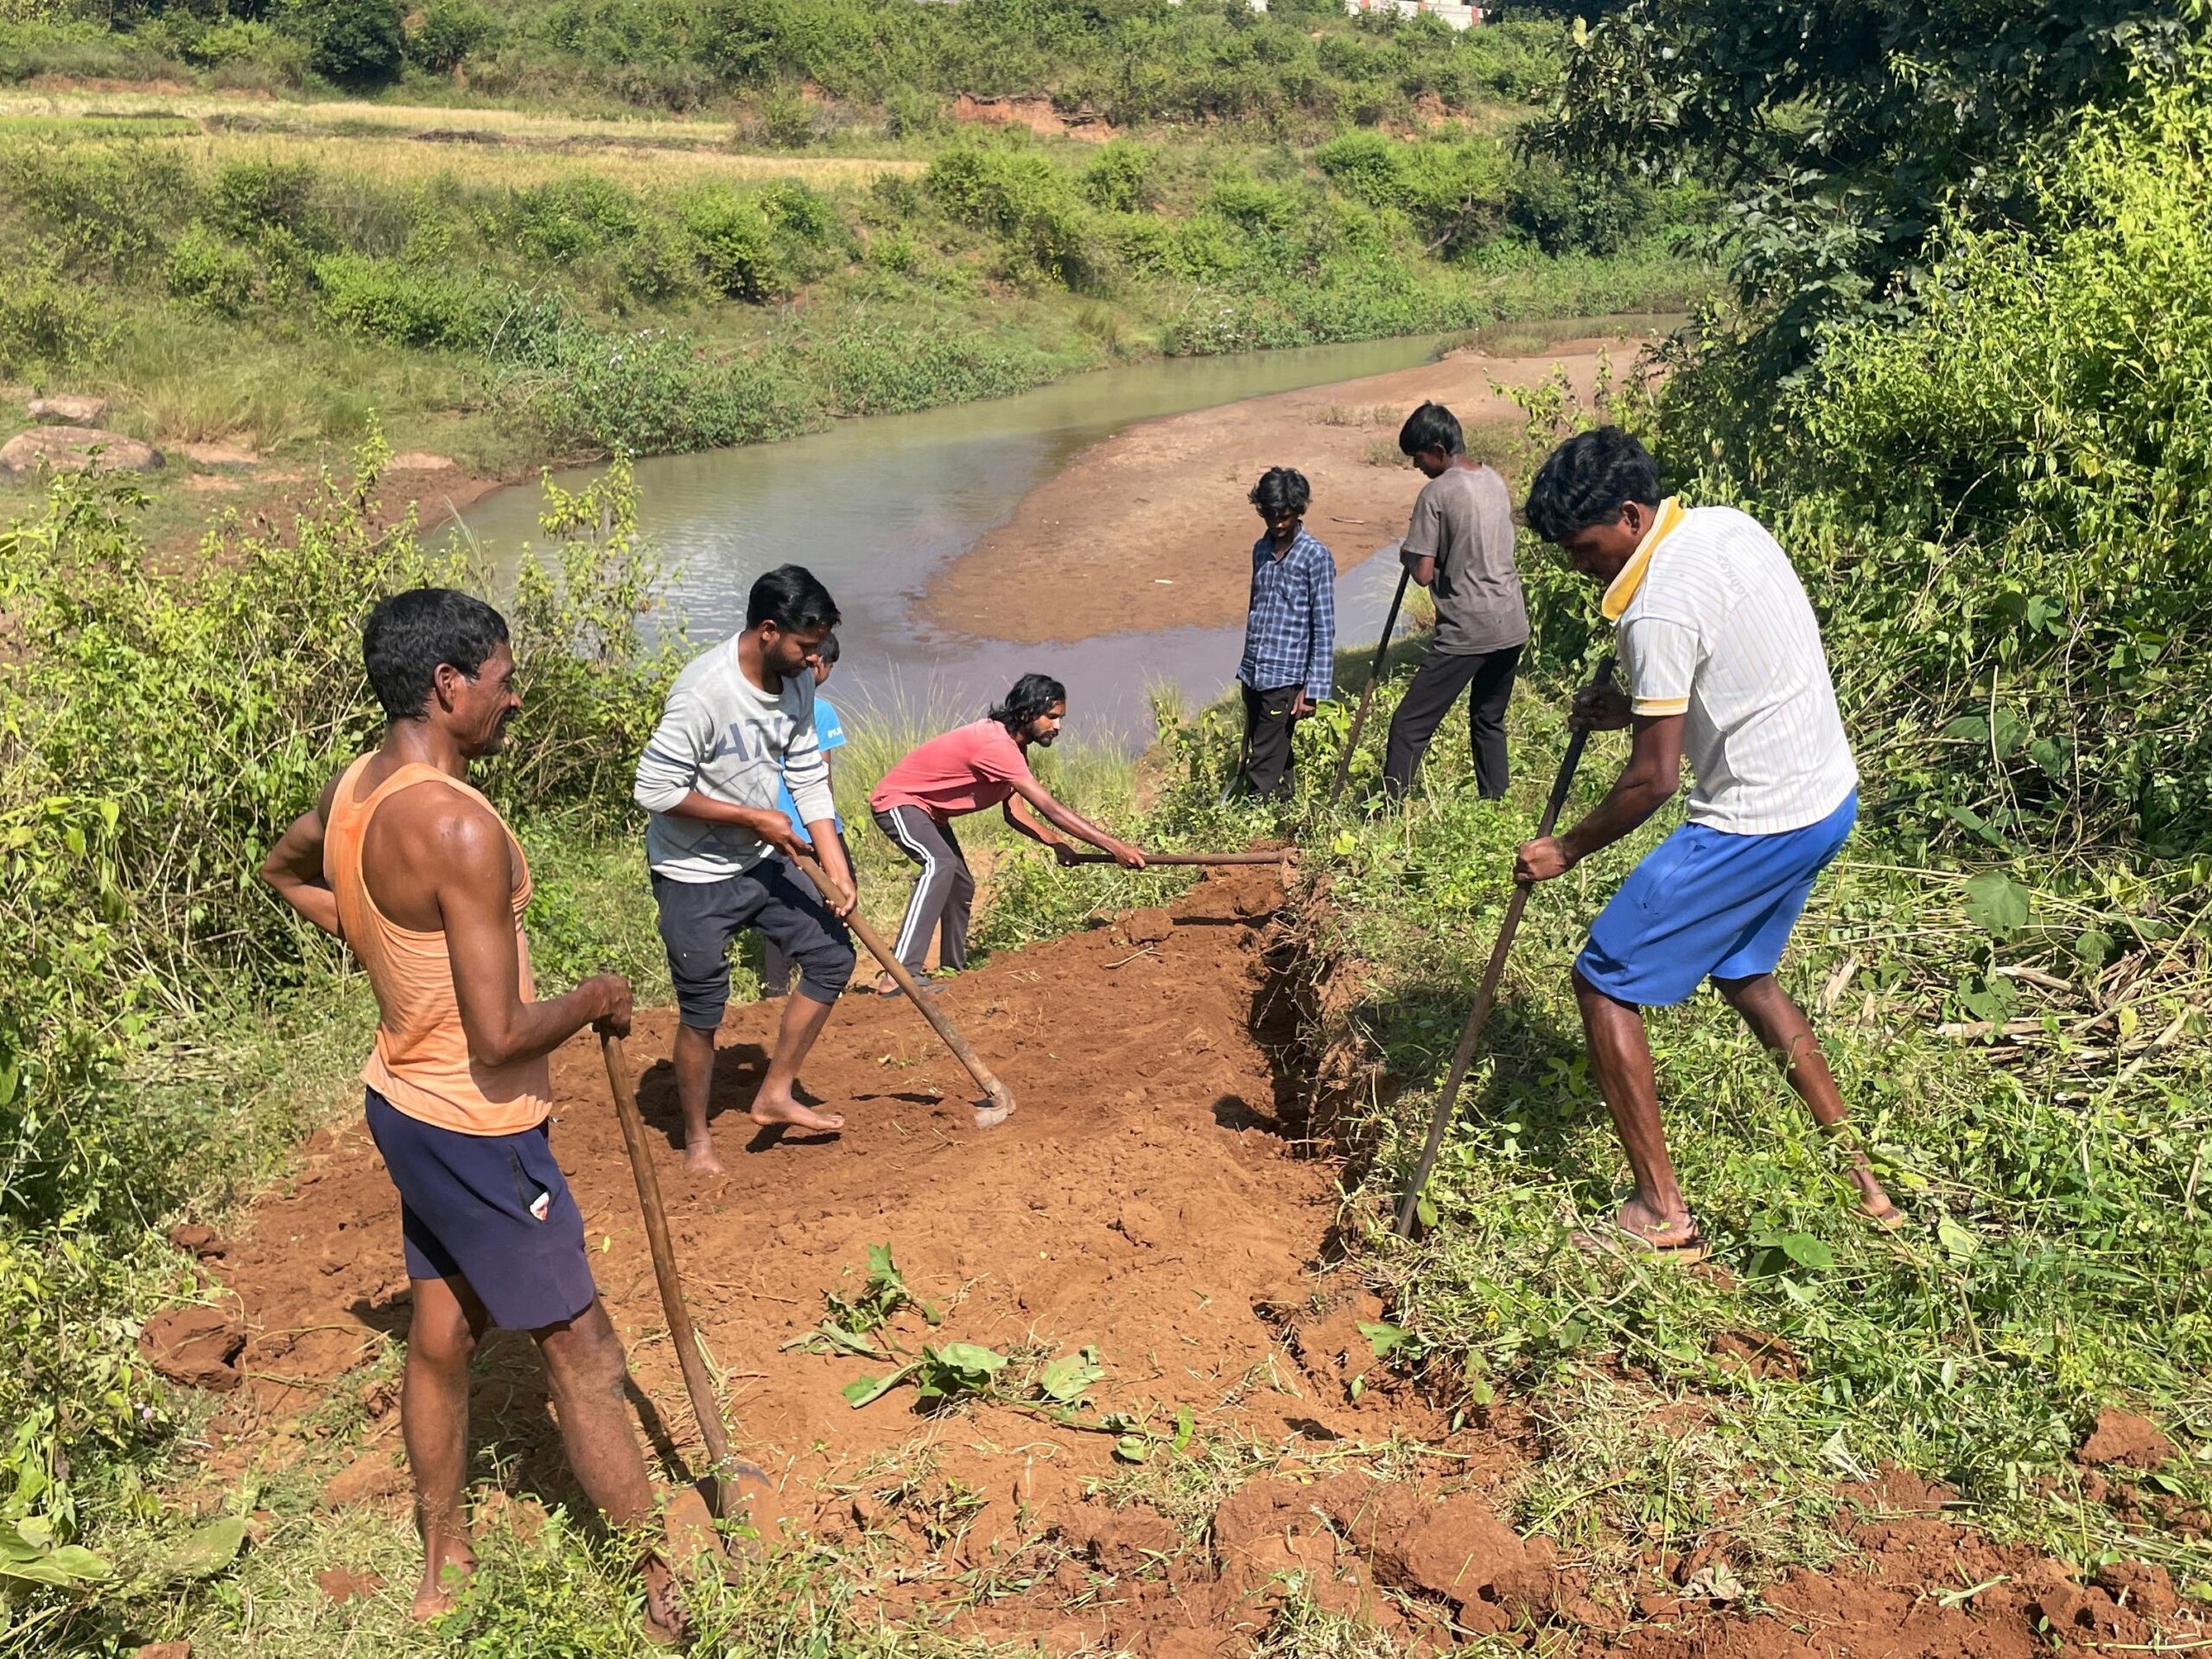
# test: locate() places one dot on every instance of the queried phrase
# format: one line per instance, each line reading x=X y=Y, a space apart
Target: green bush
x=250 y=199
x=440 y=35
x=557 y=223
x=1582 y=211
x=48 y=322
x=352 y=43
x=235 y=42
x=204 y=267
x=1121 y=178
x=2002 y=498
x=403 y=303
x=1023 y=198
x=740 y=253
x=104 y=209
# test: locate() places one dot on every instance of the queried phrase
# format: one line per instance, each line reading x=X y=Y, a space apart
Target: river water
x=875 y=506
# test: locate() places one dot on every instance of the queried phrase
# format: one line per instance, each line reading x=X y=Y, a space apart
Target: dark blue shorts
x=1705 y=903
x=699 y=919
x=493 y=1210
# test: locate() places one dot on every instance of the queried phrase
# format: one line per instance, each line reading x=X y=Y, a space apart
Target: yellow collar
x=1631 y=576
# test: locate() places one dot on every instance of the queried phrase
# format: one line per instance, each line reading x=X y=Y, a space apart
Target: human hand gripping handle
x=614 y=994
x=1600 y=706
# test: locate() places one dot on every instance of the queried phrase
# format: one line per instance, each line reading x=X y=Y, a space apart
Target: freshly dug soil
x=1153 y=1196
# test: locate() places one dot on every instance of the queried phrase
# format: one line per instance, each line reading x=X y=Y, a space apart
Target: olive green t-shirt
x=1463 y=519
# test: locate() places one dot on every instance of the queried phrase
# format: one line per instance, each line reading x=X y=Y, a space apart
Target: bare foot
x=441 y=1584
x=1874 y=1202
x=769 y=1113
x=699 y=1156
x=885 y=986
x=1662 y=1231
x=667 y=1624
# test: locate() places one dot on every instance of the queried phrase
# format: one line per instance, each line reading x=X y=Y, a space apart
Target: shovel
x=1479 y=1015
x=1211 y=860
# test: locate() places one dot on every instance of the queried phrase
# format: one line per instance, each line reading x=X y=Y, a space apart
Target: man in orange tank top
x=413 y=868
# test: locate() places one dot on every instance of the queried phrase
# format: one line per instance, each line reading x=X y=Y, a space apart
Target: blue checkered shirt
x=1290 y=637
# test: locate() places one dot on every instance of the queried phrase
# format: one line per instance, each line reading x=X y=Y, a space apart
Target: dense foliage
x=1303 y=63
x=2001 y=500
x=1843 y=133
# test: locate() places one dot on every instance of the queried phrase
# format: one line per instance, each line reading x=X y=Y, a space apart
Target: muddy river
x=874 y=506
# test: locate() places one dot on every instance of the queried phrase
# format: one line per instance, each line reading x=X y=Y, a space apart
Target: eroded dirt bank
x=1150 y=529
x=1150 y=1198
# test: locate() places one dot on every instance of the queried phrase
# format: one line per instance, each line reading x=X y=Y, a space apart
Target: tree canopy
x=1841 y=131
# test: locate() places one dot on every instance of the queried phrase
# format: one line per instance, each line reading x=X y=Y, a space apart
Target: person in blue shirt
x=829 y=733
x=1290 y=632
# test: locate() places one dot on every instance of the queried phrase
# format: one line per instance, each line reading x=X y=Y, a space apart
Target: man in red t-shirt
x=969 y=768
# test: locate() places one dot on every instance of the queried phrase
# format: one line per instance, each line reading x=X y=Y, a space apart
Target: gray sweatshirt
x=723 y=736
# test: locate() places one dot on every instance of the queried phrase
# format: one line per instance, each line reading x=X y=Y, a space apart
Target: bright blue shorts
x=1705 y=903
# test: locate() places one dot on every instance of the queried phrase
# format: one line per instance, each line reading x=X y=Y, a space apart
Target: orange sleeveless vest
x=421 y=1062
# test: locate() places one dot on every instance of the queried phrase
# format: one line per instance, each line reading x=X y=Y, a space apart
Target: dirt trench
x=1155 y=1197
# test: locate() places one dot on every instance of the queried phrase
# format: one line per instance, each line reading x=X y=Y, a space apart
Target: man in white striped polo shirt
x=1723 y=664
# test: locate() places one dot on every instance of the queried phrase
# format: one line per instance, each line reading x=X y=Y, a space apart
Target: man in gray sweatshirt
x=739 y=721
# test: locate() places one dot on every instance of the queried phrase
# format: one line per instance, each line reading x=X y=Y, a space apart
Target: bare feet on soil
x=699 y=1156
x=667 y=1624
x=444 y=1576
x=783 y=1112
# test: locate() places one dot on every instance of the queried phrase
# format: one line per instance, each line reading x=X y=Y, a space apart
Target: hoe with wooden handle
x=1284 y=855
x=1366 y=691
x=1479 y=1015
x=730 y=1476
x=1001 y=1098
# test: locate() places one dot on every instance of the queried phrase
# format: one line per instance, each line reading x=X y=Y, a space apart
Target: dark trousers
x=942 y=893
x=1487 y=678
x=1269 y=724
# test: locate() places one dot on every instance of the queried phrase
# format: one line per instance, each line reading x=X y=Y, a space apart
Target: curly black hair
x=1588 y=480
x=1282 y=489
x=1031 y=695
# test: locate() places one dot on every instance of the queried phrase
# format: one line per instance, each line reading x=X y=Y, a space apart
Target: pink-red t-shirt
x=966 y=770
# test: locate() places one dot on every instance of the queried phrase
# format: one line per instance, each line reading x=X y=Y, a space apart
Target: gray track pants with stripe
x=942 y=894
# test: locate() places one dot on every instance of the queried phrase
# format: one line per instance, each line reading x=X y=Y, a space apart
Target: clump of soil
x=195 y=1347
x=2124 y=1440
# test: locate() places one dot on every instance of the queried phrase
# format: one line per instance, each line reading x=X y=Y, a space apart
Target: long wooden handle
x=1001 y=1097
x=1366 y=691
x=1286 y=855
x=704 y=1407
x=1479 y=1015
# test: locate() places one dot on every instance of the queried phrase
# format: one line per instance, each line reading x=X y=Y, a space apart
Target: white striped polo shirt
x=1712 y=624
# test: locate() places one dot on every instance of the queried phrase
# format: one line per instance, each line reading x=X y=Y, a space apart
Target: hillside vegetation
x=822 y=238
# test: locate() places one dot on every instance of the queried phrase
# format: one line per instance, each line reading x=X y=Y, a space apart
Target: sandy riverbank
x=1150 y=529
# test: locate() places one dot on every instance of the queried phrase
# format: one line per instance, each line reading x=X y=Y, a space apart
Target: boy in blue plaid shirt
x=1290 y=633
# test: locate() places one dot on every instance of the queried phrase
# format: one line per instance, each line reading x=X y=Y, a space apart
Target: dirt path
x=1150 y=529
x=1150 y=1199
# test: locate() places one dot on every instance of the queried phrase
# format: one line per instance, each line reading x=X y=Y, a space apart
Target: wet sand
x=1150 y=529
